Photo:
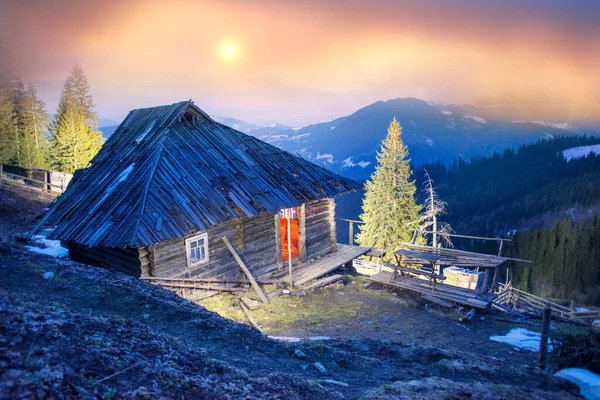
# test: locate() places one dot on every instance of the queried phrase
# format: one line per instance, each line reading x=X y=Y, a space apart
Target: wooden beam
x=246 y=270
x=302 y=232
x=289 y=248
x=249 y=316
x=332 y=237
x=278 y=256
x=351 y=233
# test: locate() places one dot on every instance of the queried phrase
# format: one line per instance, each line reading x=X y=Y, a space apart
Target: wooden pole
x=249 y=316
x=1 y=172
x=246 y=270
x=495 y=279
x=544 y=338
x=350 y=233
x=500 y=248
x=289 y=246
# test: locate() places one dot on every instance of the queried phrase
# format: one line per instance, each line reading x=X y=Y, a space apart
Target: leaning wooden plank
x=324 y=282
x=246 y=270
x=249 y=303
x=205 y=280
x=249 y=316
x=204 y=287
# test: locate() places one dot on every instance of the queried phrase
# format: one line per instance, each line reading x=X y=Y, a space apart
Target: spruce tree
x=390 y=213
x=74 y=137
x=33 y=127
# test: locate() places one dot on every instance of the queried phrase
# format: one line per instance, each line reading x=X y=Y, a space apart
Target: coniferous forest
x=28 y=138
x=547 y=205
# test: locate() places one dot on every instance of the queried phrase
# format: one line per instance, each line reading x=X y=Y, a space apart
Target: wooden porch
x=442 y=294
x=311 y=270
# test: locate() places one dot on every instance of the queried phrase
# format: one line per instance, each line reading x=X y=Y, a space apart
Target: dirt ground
x=72 y=331
x=357 y=309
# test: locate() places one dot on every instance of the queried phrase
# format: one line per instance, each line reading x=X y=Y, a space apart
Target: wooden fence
x=512 y=299
x=41 y=179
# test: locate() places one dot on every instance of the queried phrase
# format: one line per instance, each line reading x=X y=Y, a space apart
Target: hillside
x=69 y=330
x=522 y=189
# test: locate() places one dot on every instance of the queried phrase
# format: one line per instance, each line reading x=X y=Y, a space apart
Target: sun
x=229 y=50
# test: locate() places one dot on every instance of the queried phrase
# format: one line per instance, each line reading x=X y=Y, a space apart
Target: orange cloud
x=314 y=60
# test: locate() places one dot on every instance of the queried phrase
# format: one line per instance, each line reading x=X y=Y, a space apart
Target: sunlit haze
x=304 y=62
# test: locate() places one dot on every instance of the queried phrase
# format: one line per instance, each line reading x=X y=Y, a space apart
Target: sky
x=300 y=62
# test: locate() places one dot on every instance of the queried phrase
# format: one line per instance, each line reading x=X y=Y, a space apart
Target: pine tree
x=390 y=213
x=74 y=137
x=33 y=127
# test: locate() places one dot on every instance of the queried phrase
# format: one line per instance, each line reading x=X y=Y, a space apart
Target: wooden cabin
x=170 y=183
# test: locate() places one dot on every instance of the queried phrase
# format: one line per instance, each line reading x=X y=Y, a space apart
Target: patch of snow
x=125 y=173
x=290 y=339
x=48 y=275
x=451 y=124
x=446 y=112
x=413 y=123
x=549 y=136
x=364 y=164
x=582 y=151
x=429 y=142
x=521 y=338
x=296 y=137
x=476 y=119
x=557 y=125
x=588 y=382
x=348 y=162
x=50 y=247
x=297 y=128
x=143 y=135
x=332 y=128
x=327 y=157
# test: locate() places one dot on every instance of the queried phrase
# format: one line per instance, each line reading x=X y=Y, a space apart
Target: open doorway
x=289 y=239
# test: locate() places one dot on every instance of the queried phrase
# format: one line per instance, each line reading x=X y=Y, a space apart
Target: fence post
x=1 y=172
x=500 y=248
x=544 y=338
x=351 y=232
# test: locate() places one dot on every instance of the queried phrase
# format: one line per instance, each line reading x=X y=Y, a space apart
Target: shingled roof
x=171 y=170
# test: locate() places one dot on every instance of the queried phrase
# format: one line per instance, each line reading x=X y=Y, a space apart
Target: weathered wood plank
x=246 y=271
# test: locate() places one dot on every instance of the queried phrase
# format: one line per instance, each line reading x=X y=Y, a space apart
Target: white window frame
x=188 y=249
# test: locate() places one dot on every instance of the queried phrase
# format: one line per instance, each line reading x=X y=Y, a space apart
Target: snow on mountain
x=446 y=112
x=579 y=152
x=476 y=119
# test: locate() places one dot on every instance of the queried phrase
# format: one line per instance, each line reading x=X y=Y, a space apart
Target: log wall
x=320 y=228
x=253 y=239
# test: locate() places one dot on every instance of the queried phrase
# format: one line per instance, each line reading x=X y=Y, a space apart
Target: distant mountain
x=432 y=132
x=236 y=124
x=108 y=130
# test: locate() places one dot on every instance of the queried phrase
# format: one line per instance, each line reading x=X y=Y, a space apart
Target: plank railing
x=524 y=301
x=500 y=240
x=43 y=185
x=351 y=223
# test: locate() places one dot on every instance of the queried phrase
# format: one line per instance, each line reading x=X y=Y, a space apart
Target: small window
x=196 y=249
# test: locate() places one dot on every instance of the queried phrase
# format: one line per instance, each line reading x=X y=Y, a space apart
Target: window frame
x=188 y=249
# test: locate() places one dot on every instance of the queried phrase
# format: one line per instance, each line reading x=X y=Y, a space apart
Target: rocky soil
x=72 y=331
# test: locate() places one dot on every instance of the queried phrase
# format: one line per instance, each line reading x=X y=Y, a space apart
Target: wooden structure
x=171 y=183
x=41 y=179
x=442 y=294
x=421 y=270
x=513 y=300
x=437 y=258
